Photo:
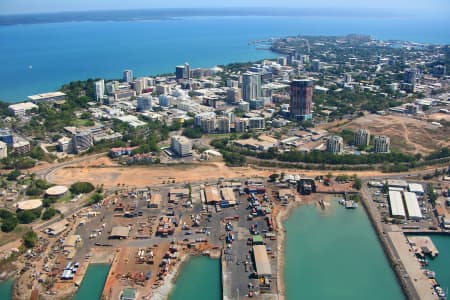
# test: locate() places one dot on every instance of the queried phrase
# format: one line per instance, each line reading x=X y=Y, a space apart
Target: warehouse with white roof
x=396 y=203
x=412 y=206
x=416 y=188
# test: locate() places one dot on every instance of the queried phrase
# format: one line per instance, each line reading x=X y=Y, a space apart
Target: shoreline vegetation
x=162 y=14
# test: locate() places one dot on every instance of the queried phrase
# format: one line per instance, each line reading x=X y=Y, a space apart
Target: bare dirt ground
x=105 y=171
x=439 y=116
x=407 y=134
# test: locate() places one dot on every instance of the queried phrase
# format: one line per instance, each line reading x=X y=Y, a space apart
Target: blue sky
x=396 y=6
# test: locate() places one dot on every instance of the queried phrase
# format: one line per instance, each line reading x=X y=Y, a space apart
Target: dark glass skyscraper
x=301 y=99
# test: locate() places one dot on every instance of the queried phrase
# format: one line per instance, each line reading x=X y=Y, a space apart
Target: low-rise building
x=256 y=123
x=82 y=141
x=21 y=109
x=21 y=147
x=47 y=97
x=65 y=145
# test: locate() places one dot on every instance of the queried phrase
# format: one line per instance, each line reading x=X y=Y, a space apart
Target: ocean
x=40 y=58
x=336 y=255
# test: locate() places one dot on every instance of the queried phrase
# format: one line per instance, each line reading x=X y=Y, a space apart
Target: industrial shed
x=120 y=232
x=228 y=194
x=416 y=188
x=262 y=263
x=412 y=205
x=212 y=195
x=396 y=203
x=71 y=241
x=155 y=201
x=57 y=227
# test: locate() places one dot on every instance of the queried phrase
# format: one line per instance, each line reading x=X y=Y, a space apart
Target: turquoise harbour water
x=199 y=279
x=63 y=52
x=92 y=286
x=441 y=264
x=6 y=289
x=336 y=255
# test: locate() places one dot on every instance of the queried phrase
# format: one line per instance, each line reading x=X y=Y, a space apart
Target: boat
x=430 y=274
x=350 y=204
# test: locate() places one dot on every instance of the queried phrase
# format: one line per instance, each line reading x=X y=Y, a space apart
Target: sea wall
x=390 y=252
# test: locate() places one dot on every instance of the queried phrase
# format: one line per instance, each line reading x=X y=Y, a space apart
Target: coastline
x=389 y=252
x=163 y=292
x=283 y=215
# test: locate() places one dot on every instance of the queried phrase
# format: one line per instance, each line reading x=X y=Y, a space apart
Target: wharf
x=423 y=245
x=421 y=283
x=226 y=280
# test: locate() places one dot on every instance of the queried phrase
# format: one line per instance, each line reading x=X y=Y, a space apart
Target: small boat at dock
x=350 y=204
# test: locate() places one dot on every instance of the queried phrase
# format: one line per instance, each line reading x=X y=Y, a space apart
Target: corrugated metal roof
x=228 y=194
x=212 y=194
x=261 y=260
x=120 y=231
x=397 y=208
x=412 y=205
x=416 y=188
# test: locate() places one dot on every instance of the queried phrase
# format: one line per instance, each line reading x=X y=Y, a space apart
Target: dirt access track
x=104 y=171
x=407 y=134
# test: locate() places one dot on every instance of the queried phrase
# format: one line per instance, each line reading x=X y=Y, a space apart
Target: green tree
x=13 y=175
x=357 y=184
x=81 y=188
x=5 y=214
x=49 y=213
x=8 y=224
x=95 y=198
x=30 y=239
x=273 y=177
x=28 y=216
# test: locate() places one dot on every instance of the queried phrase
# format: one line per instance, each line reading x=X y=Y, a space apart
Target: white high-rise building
x=240 y=125
x=181 y=145
x=139 y=85
x=381 y=144
x=99 y=90
x=127 y=76
x=110 y=88
x=251 y=86
x=362 y=137
x=223 y=125
x=144 y=102
x=208 y=125
x=335 y=144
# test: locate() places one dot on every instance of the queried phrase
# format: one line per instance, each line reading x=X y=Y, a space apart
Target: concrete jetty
x=411 y=265
x=423 y=245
